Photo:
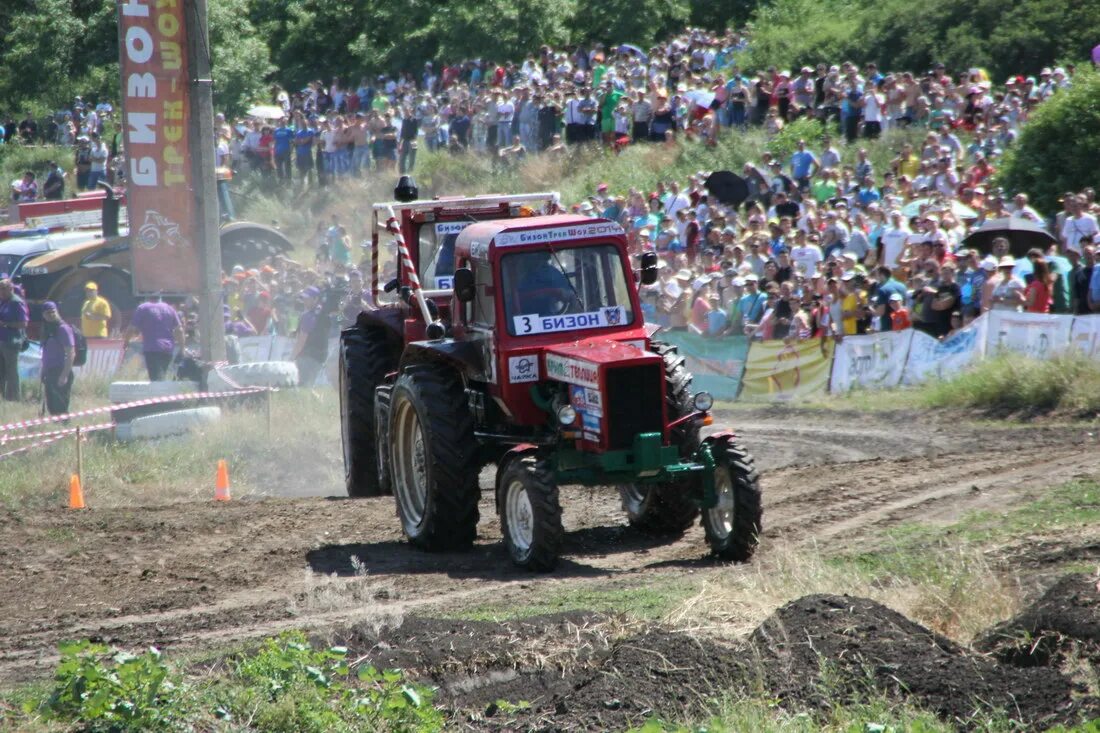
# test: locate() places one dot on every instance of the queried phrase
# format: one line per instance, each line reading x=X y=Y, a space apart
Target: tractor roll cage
x=441 y=207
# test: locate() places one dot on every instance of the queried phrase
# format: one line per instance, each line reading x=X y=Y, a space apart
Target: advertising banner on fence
x=1037 y=335
x=782 y=371
x=933 y=359
x=717 y=364
x=104 y=359
x=874 y=361
x=1085 y=335
x=155 y=109
x=265 y=348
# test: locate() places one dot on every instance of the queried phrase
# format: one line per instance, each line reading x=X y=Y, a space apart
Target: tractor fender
x=391 y=319
x=465 y=356
x=512 y=453
x=721 y=435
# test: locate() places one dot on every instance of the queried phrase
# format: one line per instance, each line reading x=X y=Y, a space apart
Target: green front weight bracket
x=710 y=497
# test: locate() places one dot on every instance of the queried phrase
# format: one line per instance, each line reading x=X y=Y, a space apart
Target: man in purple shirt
x=58 y=352
x=161 y=330
x=13 y=320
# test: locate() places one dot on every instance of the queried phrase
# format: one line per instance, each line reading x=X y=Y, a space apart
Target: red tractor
x=526 y=348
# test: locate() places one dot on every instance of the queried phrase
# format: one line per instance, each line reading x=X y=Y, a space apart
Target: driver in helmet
x=545 y=290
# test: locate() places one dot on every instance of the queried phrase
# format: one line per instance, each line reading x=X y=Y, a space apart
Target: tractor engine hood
x=578 y=363
x=616 y=388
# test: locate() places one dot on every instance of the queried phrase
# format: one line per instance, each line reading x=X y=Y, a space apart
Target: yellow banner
x=780 y=370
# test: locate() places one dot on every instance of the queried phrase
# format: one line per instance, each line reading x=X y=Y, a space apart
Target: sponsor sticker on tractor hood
x=572 y=371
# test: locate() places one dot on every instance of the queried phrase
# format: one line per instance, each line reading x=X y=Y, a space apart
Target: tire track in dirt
x=196 y=576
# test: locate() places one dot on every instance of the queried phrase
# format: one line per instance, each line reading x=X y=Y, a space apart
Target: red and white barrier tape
x=23 y=424
x=59 y=435
x=8 y=438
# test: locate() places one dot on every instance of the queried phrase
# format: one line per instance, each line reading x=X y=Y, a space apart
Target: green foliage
x=630 y=21
x=113 y=691
x=1019 y=38
x=16 y=158
x=792 y=33
x=290 y=686
x=1010 y=383
x=287 y=686
x=786 y=142
x=721 y=14
x=1058 y=149
x=241 y=60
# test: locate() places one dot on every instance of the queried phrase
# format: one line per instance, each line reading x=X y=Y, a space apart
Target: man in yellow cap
x=95 y=316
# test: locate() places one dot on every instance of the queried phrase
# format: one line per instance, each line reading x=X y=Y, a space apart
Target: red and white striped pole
x=407 y=264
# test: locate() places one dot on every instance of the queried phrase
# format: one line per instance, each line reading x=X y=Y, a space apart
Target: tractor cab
x=430 y=229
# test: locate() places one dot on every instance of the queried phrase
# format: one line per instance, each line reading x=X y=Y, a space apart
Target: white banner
x=930 y=358
x=265 y=348
x=874 y=361
x=1037 y=335
x=1085 y=335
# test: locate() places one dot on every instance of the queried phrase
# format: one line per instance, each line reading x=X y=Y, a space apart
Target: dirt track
x=191 y=576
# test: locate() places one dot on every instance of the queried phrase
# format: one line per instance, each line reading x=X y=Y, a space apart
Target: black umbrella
x=1022 y=235
x=728 y=187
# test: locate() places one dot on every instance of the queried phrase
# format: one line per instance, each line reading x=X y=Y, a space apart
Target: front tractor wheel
x=733 y=524
x=433 y=459
x=530 y=513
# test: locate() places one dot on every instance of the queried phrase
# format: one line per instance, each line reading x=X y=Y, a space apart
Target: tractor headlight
x=567 y=415
x=703 y=401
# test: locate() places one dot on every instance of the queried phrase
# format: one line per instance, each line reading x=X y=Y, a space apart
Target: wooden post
x=269 y=391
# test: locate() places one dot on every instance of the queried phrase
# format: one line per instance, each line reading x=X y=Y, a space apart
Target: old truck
x=514 y=337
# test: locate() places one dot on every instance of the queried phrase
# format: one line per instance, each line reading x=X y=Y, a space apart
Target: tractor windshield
x=437 y=253
x=565 y=289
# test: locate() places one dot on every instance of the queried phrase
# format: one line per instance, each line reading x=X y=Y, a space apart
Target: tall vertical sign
x=156 y=105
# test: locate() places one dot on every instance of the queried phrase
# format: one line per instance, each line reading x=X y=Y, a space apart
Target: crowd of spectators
x=820 y=248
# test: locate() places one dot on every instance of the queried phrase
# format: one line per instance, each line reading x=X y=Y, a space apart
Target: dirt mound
x=570 y=671
x=1063 y=623
x=821 y=648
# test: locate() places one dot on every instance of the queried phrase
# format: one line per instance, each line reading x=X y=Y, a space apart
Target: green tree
x=721 y=14
x=1058 y=149
x=39 y=53
x=640 y=22
x=241 y=60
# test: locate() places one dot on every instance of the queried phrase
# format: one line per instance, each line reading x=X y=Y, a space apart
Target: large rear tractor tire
x=668 y=509
x=365 y=360
x=530 y=512
x=733 y=525
x=433 y=459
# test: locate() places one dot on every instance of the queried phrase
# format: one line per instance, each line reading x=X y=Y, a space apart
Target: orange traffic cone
x=76 y=494
x=221 y=482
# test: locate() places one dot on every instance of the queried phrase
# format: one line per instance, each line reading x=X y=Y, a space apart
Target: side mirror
x=464 y=285
x=649 y=268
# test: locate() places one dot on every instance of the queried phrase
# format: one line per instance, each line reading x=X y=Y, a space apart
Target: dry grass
x=953 y=591
x=301 y=456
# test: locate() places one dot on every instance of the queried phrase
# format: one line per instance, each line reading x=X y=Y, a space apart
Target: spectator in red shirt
x=1037 y=296
x=899 y=314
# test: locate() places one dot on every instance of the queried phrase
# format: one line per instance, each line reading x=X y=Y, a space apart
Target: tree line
x=56 y=49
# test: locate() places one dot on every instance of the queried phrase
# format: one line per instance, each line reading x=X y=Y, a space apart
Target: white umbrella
x=266 y=111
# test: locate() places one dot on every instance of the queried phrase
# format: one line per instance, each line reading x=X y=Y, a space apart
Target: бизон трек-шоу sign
x=156 y=109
